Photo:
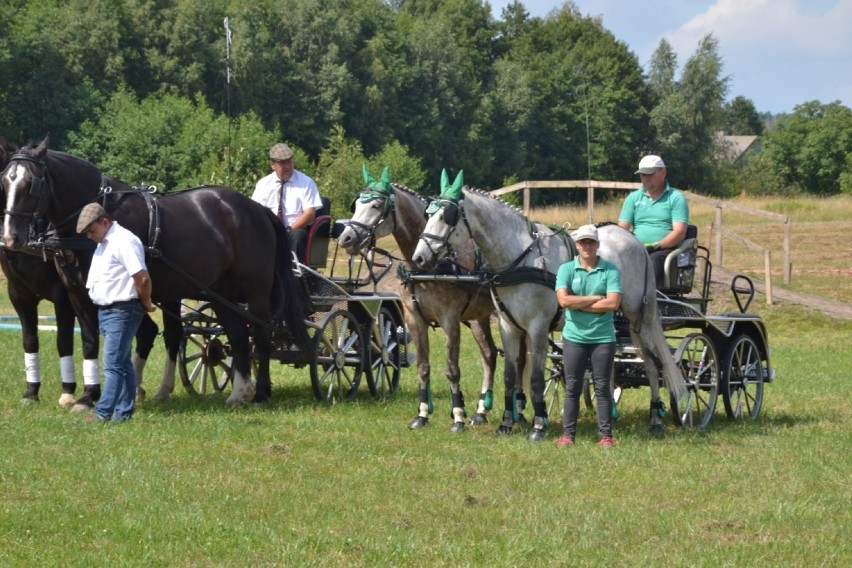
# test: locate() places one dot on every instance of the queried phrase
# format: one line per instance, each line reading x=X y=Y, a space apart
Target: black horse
x=31 y=277
x=208 y=243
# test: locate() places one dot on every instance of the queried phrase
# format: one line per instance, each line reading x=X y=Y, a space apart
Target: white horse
x=526 y=257
x=384 y=209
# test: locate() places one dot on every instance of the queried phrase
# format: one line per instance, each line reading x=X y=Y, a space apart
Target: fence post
x=718 y=224
x=767 y=267
x=788 y=264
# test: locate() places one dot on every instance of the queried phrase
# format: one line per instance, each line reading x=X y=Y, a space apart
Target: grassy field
x=189 y=482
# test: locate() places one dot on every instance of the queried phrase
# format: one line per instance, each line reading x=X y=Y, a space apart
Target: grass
x=190 y=482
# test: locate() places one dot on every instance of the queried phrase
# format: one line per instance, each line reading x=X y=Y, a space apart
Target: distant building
x=738 y=149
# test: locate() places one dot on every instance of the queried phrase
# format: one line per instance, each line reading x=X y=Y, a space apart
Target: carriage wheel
x=204 y=355
x=554 y=379
x=696 y=358
x=339 y=357
x=383 y=354
x=742 y=381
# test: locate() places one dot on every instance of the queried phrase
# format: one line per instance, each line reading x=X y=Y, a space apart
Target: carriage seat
x=316 y=251
x=680 y=265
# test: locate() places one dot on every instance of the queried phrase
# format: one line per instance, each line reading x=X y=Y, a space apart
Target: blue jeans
x=118 y=326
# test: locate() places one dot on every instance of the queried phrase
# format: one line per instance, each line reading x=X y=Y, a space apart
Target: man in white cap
x=119 y=285
x=657 y=213
x=290 y=194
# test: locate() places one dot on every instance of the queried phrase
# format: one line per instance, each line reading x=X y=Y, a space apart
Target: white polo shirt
x=300 y=193
x=117 y=258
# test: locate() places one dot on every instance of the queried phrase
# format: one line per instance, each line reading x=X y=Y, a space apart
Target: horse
x=386 y=208
x=32 y=277
x=527 y=304
x=209 y=243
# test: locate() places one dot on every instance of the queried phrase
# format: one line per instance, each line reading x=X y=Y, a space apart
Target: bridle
x=451 y=213
x=366 y=234
x=40 y=189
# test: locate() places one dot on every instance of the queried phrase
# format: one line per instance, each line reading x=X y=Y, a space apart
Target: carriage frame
x=356 y=331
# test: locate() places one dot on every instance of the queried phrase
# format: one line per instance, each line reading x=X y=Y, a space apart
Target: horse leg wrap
x=540 y=409
x=458 y=402
x=487 y=399
x=659 y=408
x=510 y=403
x=426 y=399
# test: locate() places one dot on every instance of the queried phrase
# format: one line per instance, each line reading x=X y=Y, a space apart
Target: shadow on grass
x=287 y=398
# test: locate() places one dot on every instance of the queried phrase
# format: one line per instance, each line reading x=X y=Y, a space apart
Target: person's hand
x=652 y=247
x=149 y=307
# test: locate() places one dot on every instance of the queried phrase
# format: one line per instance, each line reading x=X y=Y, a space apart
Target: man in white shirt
x=290 y=194
x=119 y=285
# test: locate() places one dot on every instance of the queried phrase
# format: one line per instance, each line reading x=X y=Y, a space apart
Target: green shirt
x=589 y=327
x=652 y=219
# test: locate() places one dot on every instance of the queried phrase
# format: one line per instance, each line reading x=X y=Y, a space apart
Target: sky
x=778 y=53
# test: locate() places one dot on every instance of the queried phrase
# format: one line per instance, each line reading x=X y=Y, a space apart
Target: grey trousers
x=575 y=357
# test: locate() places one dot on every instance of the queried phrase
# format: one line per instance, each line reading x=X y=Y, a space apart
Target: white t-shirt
x=117 y=258
x=300 y=193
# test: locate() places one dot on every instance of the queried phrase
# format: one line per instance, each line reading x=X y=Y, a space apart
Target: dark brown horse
x=31 y=277
x=389 y=209
x=209 y=243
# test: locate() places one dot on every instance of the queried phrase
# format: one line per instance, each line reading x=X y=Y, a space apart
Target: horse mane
x=408 y=190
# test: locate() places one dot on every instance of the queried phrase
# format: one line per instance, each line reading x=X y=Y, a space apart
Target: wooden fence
x=590 y=186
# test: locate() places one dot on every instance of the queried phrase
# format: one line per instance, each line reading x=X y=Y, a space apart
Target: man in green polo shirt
x=657 y=213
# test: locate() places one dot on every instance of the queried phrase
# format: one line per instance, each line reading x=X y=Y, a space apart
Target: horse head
x=372 y=213
x=26 y=186
x=443 y=230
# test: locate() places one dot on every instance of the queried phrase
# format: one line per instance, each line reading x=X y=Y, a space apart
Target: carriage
x=723 y=354
x=357 y=331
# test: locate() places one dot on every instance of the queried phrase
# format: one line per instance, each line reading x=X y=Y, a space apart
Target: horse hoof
x=478 y=419
x=160 y=396
x=419 y=422
x=537 y=435
x=656 y=428
x=457 y=427
x=504 y=430
x=66 y=400
x=140 y=394
x=30 y=399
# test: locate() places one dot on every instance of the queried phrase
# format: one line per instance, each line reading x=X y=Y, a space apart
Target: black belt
x=121 y=304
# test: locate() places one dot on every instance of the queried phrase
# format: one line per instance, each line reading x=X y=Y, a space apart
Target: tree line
x=165 y=92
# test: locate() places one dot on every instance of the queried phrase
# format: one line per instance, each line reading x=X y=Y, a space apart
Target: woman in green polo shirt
x=589 y=289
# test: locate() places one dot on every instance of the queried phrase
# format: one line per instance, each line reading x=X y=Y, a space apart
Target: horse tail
x=289 y=298
x=655 y=338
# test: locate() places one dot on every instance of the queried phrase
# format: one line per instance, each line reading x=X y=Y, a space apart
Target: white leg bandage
x=66 y=367
x=33 y=367
x=91 y=372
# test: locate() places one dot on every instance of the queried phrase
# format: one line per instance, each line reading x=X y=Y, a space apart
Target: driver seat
x=680 y=265
x=316 y=251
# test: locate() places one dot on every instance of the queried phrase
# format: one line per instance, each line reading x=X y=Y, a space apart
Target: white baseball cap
x=586 y=232
x=649 y=164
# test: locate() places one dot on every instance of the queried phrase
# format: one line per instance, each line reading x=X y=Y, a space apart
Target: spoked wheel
x=742 y=381
x=384 y=354
x=339 y=362
x=554 y=377
x=204 y=355
x=696 y=358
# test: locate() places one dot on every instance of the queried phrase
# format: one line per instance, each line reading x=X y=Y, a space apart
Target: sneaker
x=564 y=441
x=607 y=442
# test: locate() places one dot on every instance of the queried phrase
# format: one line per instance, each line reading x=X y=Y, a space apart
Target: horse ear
x=445 y=180
x=386 y=175
x=41 y=149
x=368 y=179
x=459 y=183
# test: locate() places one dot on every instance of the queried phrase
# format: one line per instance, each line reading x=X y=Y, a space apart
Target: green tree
x=741 y=118
x=810 y=148
x=688 y=114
